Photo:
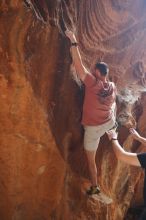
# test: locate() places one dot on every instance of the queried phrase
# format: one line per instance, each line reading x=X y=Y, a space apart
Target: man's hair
x=102 y=67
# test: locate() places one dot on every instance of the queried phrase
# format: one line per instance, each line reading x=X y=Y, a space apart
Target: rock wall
x=43 y=171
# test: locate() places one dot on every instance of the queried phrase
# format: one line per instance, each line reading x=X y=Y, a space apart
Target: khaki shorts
x=93 y=133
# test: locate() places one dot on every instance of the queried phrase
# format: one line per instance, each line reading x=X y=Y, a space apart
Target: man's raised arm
x=81 y=70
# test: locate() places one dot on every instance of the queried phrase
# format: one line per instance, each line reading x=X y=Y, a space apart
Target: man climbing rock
x=131 y=158
x=98 y=108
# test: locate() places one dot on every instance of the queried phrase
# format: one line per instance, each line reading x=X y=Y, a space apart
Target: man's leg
x=91 y=142
x=92 y=166
x=94 y=189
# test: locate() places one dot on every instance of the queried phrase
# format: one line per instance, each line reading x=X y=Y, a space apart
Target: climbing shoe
x=93 y=190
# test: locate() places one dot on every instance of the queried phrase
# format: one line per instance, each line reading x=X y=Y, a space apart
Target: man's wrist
x=114 y=139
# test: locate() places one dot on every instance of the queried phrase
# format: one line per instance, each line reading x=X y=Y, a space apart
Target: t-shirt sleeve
x=142 y=159
x=89 y=80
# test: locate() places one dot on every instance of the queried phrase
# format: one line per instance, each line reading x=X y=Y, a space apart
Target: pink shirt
x=98 y=102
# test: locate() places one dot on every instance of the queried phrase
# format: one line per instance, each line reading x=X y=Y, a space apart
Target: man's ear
x=97 y=72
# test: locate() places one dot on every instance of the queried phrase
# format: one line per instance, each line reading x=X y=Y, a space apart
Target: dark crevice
x=134 y=213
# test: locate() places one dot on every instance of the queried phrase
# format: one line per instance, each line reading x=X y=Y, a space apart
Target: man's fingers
x=112 y=134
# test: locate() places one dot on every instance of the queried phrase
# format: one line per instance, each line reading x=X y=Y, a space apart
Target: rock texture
x=43 y=171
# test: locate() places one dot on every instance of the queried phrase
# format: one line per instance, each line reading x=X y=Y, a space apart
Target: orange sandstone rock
x=42 y=162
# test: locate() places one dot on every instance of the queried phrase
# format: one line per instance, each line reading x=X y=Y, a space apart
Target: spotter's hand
x=134 y=133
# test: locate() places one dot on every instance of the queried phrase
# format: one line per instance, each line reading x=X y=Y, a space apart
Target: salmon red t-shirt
x=98 y=101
